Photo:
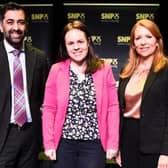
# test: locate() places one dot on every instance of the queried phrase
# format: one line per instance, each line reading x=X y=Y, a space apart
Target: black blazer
x=154 y=112
x=36 y=71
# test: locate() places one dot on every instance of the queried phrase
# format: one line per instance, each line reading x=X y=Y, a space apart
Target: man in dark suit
x=20 y=143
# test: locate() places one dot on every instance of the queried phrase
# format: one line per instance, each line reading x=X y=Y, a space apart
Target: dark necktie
x=19 y=99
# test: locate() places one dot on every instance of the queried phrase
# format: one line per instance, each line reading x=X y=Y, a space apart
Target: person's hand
x=163 y=161
x=110 y=154
x=51 y=154
x=118 y=159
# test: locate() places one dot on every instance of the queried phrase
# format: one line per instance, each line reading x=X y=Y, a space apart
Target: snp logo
x=96 y=39
x=140 y=16
x=123 y=40
x=114 y=62
x=28 y=39
x=73 y=16
x=112 y=17
x=42 y=17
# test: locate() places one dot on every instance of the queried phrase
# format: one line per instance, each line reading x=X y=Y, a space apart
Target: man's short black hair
x=10 y=6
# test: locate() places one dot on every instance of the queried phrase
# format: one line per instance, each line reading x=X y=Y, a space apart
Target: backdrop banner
x=40 y=26
x=109 y=25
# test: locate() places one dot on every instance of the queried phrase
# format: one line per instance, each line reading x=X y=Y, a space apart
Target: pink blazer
x=56 y=102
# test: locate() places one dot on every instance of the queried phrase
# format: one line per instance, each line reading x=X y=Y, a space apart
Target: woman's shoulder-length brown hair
x=93 y=62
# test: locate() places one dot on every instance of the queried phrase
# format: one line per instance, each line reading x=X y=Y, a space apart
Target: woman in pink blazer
x=80 y=109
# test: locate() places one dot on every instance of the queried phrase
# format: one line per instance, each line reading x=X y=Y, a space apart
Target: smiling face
x=14 y=27
x=76 y=45
x=145 y=42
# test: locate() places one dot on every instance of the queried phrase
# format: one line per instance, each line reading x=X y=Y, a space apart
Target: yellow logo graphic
x=140 y=16
x=112 y=61
x=28 y=39
x=110 y=17
x=40 y=17
x=96 y=39
x=75 y=15
x=123 y=40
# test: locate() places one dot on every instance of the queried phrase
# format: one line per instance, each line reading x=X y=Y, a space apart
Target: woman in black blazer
x=143 y=96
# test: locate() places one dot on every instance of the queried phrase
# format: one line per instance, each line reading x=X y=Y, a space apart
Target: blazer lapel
x=121 y=92
x=30 y=64
x=4 y=71
x=5 y=82
x=149 y=81
x=98 y=84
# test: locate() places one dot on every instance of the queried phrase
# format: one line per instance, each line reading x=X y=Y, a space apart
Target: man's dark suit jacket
x=36 y=71
x=154 y=112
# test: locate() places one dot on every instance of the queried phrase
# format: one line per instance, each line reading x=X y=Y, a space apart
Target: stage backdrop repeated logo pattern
x=110 y=24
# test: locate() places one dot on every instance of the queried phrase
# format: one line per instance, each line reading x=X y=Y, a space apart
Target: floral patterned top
x=81 y=119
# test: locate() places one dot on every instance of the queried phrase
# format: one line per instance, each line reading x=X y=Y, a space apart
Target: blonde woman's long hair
x=159 y=60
